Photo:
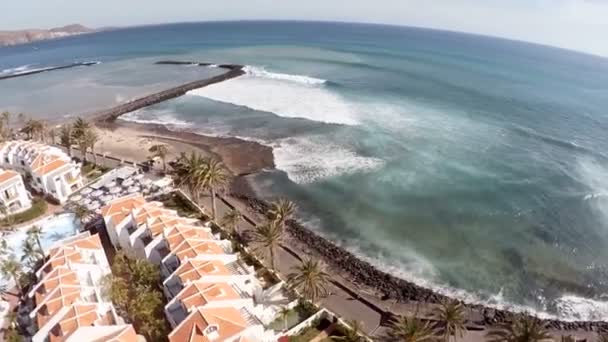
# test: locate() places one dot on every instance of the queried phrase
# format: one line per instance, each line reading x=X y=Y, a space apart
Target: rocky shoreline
x=359 y=271
x=393 y=288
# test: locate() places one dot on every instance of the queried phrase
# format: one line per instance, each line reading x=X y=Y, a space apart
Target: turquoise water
x=473 y=165
x=54 y=228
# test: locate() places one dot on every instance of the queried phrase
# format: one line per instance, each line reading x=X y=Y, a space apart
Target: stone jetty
x=38 y=71
x=109 y=115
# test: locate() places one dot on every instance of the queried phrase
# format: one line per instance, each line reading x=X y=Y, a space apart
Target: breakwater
x=109 y=115
x=389 y=287
x=37 y=71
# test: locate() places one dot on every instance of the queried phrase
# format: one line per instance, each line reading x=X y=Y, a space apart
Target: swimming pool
x=54 y=228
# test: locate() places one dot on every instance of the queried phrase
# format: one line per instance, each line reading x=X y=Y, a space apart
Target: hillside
x=31 y=35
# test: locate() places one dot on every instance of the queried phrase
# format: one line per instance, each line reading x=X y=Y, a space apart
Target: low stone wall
x=393 y=288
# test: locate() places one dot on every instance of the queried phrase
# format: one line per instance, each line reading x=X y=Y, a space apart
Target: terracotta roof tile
x=199 y=294
x=193 y=270
x=209 y=324
x=6 y=175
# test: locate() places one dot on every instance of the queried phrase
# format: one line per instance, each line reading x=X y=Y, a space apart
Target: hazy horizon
x=572 y=24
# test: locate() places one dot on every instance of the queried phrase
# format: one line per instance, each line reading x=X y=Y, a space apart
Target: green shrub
x=39 y=207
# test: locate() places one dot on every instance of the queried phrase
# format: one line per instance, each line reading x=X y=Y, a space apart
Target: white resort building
x=48 y=169
x=68 y=298
x=14 y=198
x=210 y=291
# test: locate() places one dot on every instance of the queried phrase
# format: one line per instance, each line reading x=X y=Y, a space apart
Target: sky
x=573 y=24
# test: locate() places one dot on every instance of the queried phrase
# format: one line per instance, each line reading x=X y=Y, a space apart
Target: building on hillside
x=47 y=169
x=68 y=298
x=14 y=198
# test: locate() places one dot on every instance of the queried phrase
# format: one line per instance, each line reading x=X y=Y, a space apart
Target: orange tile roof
x=224 y=323
x=196 y=269
x=58 y=277
x=121 y=208
x=190 y=248
x=42 y=159
x=69 y=252
x=79 y=315
x=62 y=257
x=159 y=224
x=198 y=294
x=176 y=235
x=6 y=175
x=50 y=167
x=58 y=298
x=126 y=334
x=86 y=242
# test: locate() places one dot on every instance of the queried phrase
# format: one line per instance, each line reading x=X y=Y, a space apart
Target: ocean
x=473 y=165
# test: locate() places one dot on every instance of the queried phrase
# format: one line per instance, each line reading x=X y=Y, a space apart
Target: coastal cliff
x=31 y=35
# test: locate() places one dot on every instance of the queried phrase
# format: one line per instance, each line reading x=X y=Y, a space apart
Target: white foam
x=158 y=118
x=583 y=309
x=306 y=160
x=262 y=73
x=284 y=95
x=16 y=69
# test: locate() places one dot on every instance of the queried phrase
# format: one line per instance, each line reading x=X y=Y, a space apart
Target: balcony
x=72 y=180
x=249 y=317
x=237 y=268
x=146 y=239
x=131 y=229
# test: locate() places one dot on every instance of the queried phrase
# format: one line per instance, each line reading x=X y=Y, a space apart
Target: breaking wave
x=292 y=96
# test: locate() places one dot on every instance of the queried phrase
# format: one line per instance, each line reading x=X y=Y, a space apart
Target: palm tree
x=214 y=179
x=5 y=119
x=280 y=211
x=51 y=134
x=231 y=220
x=525 y=329
x=351 y=335
x=65 y=137
x=34 y=233
x=31 y=252
x=310 y=279
x=91 y=138
x=451 y=316
x=5 y=250
x=269 y=237
x=79 y=131
x=28 y=129
x=161 y=151
x=12 y=268
x=189 y=170
x=412 y=329
x=81 y=213
x=283 y=314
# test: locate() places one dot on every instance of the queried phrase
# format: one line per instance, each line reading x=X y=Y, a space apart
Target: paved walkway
x=339 y=302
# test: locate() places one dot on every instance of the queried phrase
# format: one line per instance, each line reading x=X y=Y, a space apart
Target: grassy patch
x=39 y=207
x=177 y=202
x=295 y=316
x=92 y=170
x=307 y=334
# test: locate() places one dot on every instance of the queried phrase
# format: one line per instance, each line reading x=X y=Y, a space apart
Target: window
x=211 y=331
